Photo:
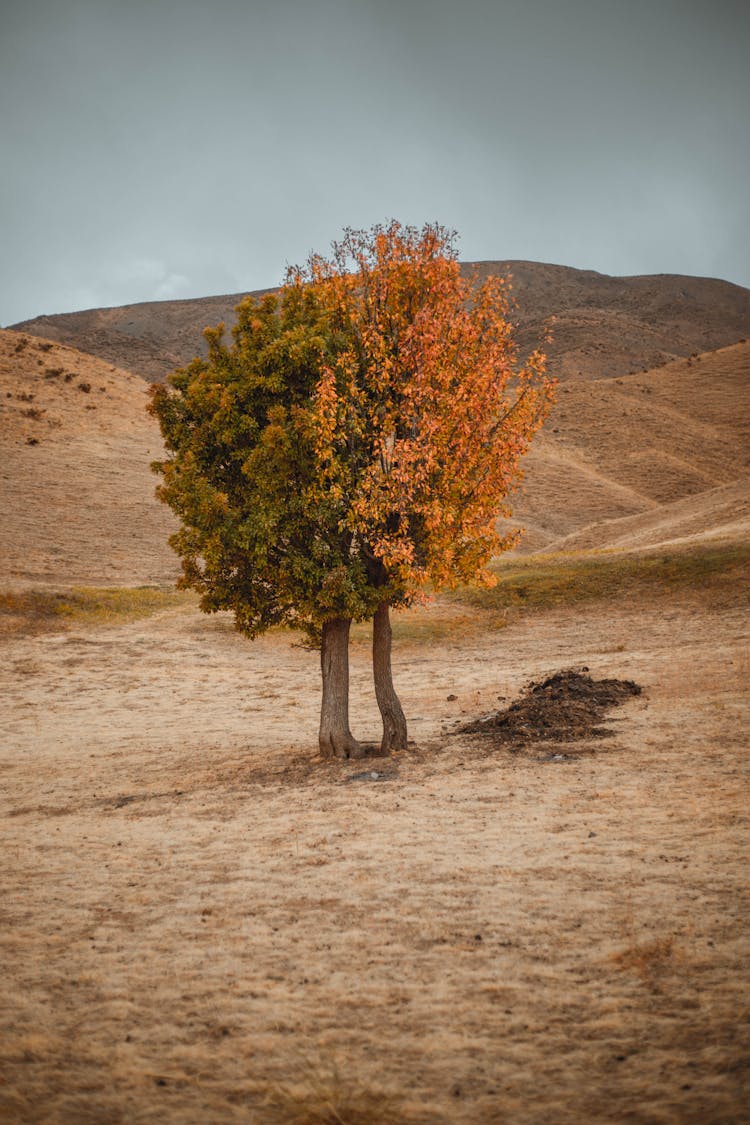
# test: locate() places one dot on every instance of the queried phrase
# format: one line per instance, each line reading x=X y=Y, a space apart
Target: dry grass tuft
x=650 y=960
x=321 y=1096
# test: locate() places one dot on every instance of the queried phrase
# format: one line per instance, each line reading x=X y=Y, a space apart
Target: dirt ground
x=198 y=912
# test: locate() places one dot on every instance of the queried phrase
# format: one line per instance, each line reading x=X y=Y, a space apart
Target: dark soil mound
x=563 y=708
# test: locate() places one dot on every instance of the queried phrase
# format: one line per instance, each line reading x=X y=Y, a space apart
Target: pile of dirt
x=565 y=707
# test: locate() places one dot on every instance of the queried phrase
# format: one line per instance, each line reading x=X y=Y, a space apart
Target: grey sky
x=170 y=148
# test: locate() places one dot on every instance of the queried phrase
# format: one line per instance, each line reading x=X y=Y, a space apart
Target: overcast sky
x=171 y=148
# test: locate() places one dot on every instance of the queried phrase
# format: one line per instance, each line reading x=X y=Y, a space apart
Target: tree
x=353 y=446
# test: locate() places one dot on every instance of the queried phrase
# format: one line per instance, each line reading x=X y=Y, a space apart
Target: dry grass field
x=198 y=914
x=204 y=922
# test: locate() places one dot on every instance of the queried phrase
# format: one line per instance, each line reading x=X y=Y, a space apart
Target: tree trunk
x=335 y=738
x=394 y=723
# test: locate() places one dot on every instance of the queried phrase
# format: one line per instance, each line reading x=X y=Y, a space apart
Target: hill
x=643 y=459
x=602 y=326
x=630 y=462
x=76 y=492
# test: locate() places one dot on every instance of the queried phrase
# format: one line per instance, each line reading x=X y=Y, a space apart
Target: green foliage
x=260 y=535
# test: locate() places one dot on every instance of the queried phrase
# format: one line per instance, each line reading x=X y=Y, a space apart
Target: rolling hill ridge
x=602 y=326
x=629 y=462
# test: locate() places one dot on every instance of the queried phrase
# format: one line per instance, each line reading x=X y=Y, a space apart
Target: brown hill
x=76 y=492
x=603 y=326
x=630 y=462
x=643 y=459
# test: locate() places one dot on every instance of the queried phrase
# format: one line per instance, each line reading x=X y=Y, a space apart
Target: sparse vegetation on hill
x=76 y=493
x=543 y=581
x=40 y=611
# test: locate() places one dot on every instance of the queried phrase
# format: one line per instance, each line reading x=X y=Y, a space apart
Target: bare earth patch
x=202 y=921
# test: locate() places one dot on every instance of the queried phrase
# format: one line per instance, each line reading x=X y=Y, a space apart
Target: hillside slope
x=603 y=326
x=644 y=458
x=76 y=492
x=629 y=462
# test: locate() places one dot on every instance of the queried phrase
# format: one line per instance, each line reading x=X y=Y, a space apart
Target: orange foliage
x=423 y=414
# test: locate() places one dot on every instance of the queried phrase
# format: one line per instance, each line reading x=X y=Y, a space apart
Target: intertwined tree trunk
x=335 y=738
x=394 y=723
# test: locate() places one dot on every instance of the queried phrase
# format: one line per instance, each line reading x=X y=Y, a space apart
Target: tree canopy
x=356 y=441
